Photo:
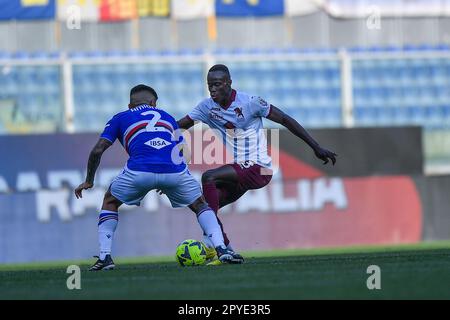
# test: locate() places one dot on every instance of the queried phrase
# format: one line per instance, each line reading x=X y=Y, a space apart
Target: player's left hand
x=81 y=187
x=324 y=155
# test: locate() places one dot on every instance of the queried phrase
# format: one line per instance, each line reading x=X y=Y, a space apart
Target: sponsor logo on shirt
x=216 y=116
x=158 y=143
x=262 y=102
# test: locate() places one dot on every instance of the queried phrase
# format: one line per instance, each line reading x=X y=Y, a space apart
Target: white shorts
x=130 y=187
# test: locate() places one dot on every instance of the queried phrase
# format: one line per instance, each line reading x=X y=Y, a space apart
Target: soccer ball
x=191 y=253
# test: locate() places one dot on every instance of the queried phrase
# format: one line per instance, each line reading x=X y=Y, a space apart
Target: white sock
x=229 y=247
x=207 y=241
x=210 y=226
x=107 y=224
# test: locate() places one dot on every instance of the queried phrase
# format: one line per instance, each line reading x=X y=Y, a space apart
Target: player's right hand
x=81 y=187
x=324 y=154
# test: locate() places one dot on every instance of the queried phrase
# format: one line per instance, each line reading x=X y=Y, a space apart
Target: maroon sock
x=211 y=195
x=225 y=238
x=212 y=198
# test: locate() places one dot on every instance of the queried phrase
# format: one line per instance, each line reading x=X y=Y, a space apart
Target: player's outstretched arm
x=93 y=163
x=185 y=123
x=278 y=116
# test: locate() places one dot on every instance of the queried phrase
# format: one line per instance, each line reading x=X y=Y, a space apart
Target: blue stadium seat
x=385 y=116
x=44 y=55
x=365 y=116
x=332 y=117
x=390 y=91
x=131 y=53
x=376 y=48
x=149 y=53
x=446 y=114
x=426 y=47
x=9 y=84
x=416 y=114
x=98 y=54
x=78 y=55
x=442 y=47
x=5 y=55
x=434 y=115
x=410 y=47
x=21 y=55
x=293 y=50
x=222 y=51
x=392 y=48
x=400 y=115
x=275 y=51
x=357 y=49
x=168 y=52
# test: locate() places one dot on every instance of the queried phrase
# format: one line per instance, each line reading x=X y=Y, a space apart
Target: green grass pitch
x=420 y=271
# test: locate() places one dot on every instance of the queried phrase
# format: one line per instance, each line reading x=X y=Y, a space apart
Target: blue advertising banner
x=41 y=220
x=239 y=8
x=303 y=206
x=27 y=9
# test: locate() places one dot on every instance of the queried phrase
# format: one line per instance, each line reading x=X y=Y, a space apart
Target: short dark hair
x=220 y=67
x=143 y=87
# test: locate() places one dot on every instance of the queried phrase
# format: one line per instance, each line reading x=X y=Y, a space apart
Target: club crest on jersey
x=158 y=143
x=239 y=114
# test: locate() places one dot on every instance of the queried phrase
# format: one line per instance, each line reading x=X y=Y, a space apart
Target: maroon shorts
x=251 y=176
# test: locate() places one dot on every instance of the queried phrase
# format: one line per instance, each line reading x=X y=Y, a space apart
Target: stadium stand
x=397 y=90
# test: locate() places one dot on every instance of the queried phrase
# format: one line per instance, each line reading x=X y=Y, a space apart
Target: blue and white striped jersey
x=151 y=138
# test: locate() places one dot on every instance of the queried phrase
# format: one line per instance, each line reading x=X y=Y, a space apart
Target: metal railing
x=343 y=58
